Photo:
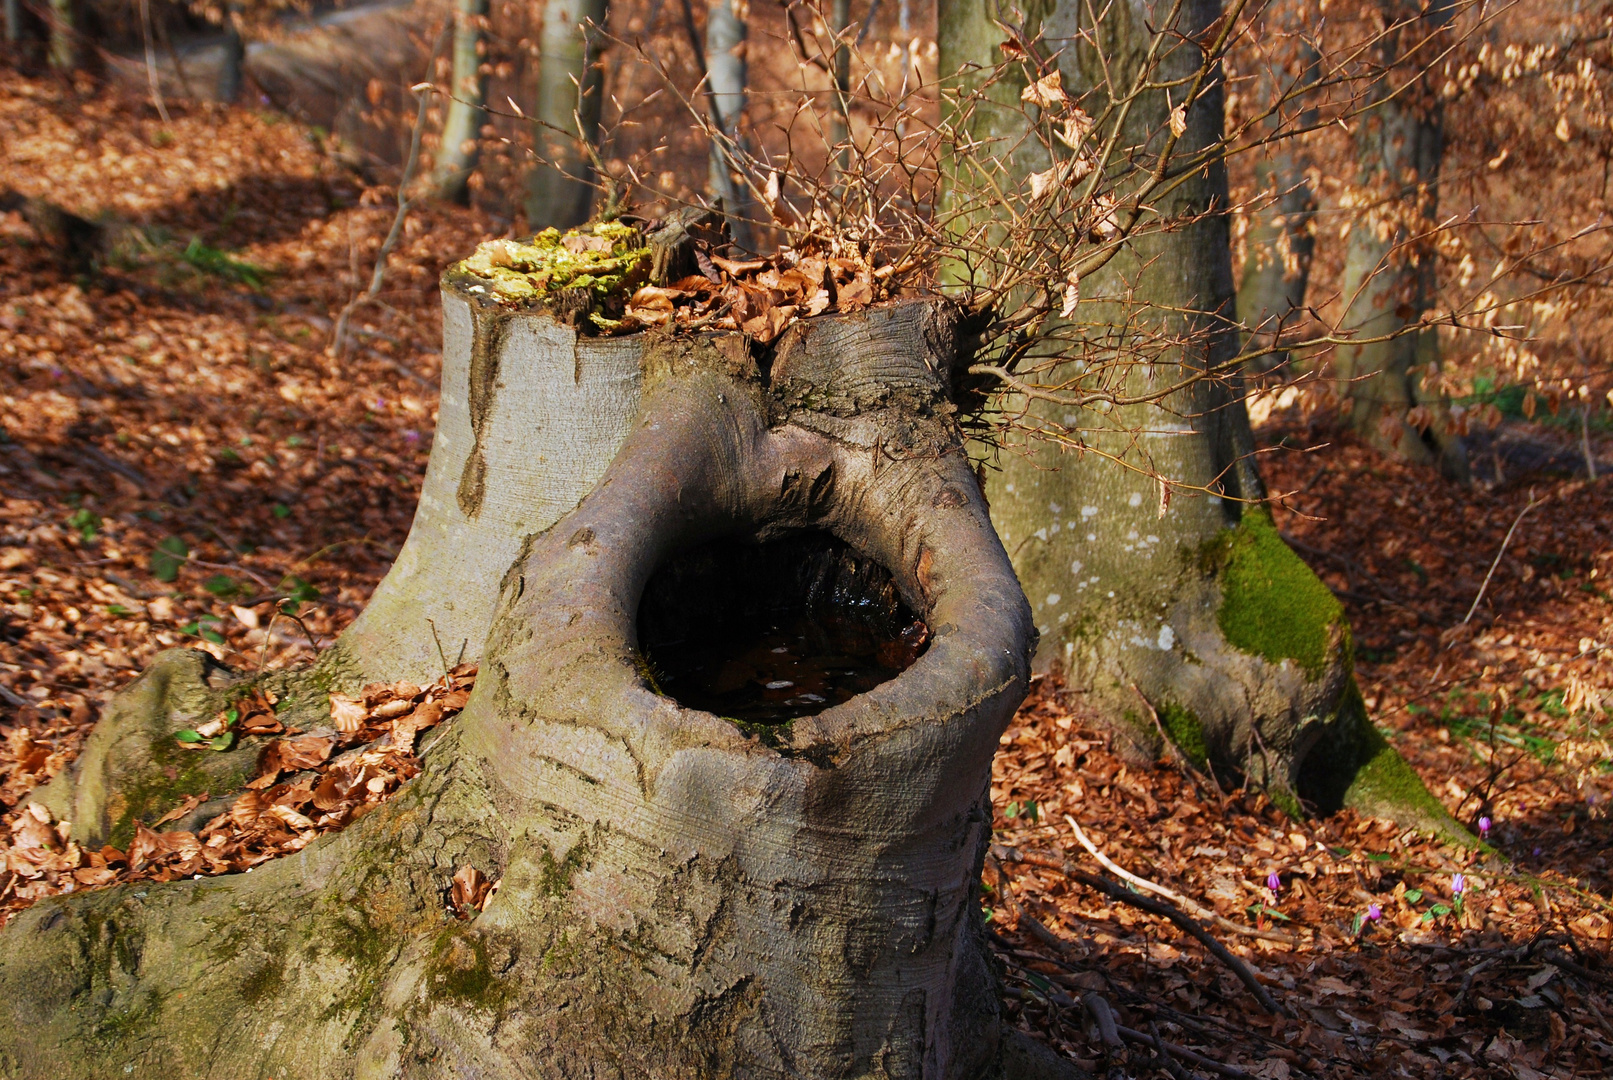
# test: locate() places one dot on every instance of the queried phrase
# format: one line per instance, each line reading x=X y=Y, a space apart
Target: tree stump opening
x=766 y=633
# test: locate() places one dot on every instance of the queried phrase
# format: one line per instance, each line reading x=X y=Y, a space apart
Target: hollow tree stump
x=680 y=894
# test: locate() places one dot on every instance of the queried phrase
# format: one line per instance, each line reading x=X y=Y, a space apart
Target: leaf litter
x=182 y=458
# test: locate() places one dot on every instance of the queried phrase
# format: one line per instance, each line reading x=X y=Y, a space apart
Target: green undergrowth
x=1272 y=604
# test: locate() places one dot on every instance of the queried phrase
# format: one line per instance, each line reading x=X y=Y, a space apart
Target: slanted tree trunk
x=680 y=894
x=233 y=64
x=462 y=129
x=570 y=88
x=1389 y=269
x=1163 y=589
x=1281 y=236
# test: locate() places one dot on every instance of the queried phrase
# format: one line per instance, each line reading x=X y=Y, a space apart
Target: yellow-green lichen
x=1272 y=604
x=605 y=258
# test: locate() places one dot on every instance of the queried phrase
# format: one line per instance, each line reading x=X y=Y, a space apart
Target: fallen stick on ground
x=1196 y=909
x=1505 y=540
x=1155 y=907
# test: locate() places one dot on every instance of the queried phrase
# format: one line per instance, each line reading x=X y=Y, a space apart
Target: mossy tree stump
x=680 y=894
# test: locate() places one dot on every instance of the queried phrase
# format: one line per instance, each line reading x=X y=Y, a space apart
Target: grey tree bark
x=14 y=28
x=560 y=191
x=727 y=34
x=233 y=64
x=680 y=895
x=1389 y=270
x=462 y=128
x=1161 y=587
x=1281 y=237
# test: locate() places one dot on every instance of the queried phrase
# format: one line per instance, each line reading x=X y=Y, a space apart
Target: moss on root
x=1353 y=765
x=1272 y=604
x=1186 y=731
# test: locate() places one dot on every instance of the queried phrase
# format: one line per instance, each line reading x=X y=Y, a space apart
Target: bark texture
x=1389 y=267
x=570 y=85
x=1281 y=237
x=461 y=130
x=1176 y=605
x=679 y=895
x=531 y=414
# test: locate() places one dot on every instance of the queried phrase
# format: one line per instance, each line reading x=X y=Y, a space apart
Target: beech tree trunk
x=727 y=71
x=1281 y=237
x=462 y=128
x=1389 y=269
x=233 y=64
x=64 y=50
x=570 y=88
x=1163 y=589
x=680 y=894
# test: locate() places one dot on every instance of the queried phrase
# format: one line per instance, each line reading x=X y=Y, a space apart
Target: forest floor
x=180 y=447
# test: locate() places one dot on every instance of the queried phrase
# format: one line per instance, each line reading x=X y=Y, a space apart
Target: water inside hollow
x=765 y=633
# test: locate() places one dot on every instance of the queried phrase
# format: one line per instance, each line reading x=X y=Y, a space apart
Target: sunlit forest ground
x=179 y=446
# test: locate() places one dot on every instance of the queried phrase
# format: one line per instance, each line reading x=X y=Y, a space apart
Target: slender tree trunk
x=1389 y=270
x=840 y=125
x=680 y=895
x=462 y=129
x=1162 y=587
x=232 y=68
x=570 y=88
x=14 y=30
x=1281 y=237
x=726 y=68
x=63 y=36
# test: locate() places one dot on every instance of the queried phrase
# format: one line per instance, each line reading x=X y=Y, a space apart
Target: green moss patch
x=1272 y=604
x=1186 y=731
x=607 y=259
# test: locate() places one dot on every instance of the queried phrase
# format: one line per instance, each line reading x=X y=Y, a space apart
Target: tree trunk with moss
x=680 y=893
x=1390 y=278
x=1158 y=581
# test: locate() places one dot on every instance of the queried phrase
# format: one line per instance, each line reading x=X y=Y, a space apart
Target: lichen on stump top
x=599 y=265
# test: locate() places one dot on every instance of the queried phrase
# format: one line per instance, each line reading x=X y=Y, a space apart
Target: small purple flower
x=1538 y=851
x=1274 y=882
x=1458 y=884
x=380 y=403
x=1484 y=827
x=57 y=373
x=1374 y=912
x=411 y=436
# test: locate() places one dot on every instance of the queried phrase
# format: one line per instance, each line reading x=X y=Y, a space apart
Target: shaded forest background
x=182 y=443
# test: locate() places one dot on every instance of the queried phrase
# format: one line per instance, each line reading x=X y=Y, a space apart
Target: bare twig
x=1162 y=908
x=1533 y=502
x=1175 y=897
x=151 y=62
x=378 y=275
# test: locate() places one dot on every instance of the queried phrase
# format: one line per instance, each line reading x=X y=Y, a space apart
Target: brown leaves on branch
x=308 y=784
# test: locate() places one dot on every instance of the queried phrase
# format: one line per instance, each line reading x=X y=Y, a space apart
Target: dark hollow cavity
x=764 y=633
